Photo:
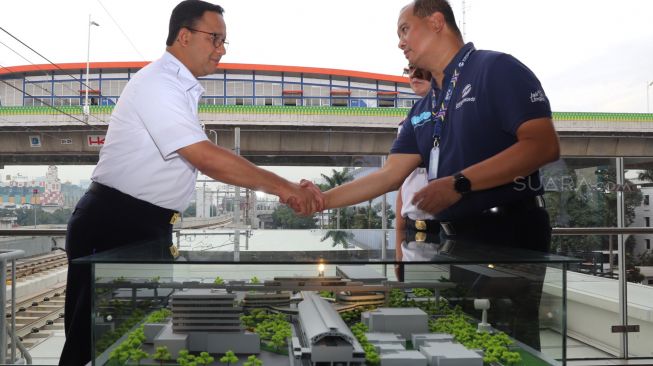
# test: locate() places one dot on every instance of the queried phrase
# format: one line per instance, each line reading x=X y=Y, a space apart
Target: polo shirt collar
x=186 y=78
x=459 y=56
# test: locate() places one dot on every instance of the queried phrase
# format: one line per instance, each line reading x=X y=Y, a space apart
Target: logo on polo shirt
x=420 y=118
x=538 y=96
x=463 y=96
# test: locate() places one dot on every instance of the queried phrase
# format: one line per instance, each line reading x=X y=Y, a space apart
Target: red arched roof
x=223 y=66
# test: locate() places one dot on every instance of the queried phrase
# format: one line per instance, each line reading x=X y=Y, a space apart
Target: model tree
x=253 y=361
x=218 y=280
x=137 y=355
x=205 y=358
x=254 y=280
x=229 y=358
x=162 y=354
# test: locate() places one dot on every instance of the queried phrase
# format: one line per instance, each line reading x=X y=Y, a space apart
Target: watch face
x=462 y=184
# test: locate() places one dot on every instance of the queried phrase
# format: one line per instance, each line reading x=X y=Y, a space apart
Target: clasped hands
x=304 y=198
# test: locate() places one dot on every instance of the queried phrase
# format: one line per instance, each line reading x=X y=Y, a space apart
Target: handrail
x=8 y=255
x=556 y=231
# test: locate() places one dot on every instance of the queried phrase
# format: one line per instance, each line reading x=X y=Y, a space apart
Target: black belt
x=523 y=205
x=431 y=226
x=150 y=212
x=422 y=236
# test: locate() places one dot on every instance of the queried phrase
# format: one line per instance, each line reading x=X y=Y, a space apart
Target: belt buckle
x=420 y=236
x=174 y=251
x=174 y=218
x=448 y=228
x=420 y=225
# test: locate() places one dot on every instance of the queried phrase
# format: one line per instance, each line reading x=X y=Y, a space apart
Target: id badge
x=433 y=162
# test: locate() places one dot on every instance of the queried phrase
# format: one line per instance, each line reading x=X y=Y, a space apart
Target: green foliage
x=339 y=237
x=253 y=361
x=327 y=294
x=111 y=337
x=205 y=358
x=229 y=358
x=254 y=280
x=422 y=292
x=137 y=355
x=162 y=354
x=218 y=281
x=158 y=316
x=494 y=345
x=25 y=216
x=371 y=356
x=586 y=198
x=285 y=218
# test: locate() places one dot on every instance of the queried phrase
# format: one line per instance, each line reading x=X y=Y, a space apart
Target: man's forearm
x=521 y=159
x=388 y=178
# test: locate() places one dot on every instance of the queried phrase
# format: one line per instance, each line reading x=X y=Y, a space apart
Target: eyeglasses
x=216 y=38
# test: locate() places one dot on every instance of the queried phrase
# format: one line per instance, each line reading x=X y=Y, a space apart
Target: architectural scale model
x=211 y=318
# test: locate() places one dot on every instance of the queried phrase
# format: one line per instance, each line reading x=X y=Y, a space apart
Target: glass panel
x=229 y=282
x=639 y=253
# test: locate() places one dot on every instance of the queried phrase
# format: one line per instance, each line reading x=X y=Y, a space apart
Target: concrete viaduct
x=281 y=135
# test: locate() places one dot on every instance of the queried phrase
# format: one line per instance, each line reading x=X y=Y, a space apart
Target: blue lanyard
x=442 y=112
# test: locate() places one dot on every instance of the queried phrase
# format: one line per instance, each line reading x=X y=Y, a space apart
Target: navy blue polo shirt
x=494 y=95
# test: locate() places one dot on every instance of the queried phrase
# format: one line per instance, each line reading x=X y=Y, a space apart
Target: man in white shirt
x=148 y=166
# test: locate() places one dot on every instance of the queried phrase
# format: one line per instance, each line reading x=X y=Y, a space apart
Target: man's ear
x=436 y=21
x=183 y=37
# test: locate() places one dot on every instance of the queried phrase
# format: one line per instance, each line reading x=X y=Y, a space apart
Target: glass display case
x=326 y=297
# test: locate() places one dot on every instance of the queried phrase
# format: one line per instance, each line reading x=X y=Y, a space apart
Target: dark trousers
x=514 y=302
x=103 y=219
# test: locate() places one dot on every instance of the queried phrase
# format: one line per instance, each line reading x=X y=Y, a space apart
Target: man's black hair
x=424 y=8
x=186 y=14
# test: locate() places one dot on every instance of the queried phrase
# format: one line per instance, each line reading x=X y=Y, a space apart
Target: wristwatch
x=461 y=183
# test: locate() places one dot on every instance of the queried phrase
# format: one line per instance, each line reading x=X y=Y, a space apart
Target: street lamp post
x=87 y=109
x=648 y=85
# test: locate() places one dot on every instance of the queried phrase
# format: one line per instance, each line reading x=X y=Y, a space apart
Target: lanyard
x=442 y=112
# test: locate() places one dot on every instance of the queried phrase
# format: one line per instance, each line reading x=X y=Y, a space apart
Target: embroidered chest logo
x=538 y=96
x=463 y=97
x=420 y=119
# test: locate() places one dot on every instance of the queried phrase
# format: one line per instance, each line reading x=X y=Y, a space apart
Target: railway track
x=39 y=315
x=34 y=265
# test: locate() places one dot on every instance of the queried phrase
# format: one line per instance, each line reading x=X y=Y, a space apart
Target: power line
x=49 y=105
x=44 y=73
x=43 y=57
x=121 y=30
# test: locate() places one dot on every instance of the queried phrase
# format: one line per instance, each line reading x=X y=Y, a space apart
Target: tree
x=339 y=237
x=284 y=217
x=218 y=281
x=205 y=358
x=253 y=361
x=336 y=179
x=162 y=354
x=137 y=355
x=229 y=358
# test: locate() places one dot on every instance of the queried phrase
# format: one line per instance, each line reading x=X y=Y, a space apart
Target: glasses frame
x=215 y=38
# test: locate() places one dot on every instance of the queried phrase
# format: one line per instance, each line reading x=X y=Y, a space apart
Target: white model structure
x=206 y=320
x=325 y=334
x=450 y=354
x=404 y=321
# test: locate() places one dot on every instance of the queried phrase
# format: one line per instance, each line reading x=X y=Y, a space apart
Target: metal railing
x=9 y=255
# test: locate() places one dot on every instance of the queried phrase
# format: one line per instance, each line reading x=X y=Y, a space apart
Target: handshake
x=304 y=198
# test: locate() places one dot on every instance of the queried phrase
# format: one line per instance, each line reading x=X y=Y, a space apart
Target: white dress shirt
x=156 y=115
x=417 y=180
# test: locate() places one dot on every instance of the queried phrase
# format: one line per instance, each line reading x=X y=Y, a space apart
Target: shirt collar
x=186 y=78
x=456 y=59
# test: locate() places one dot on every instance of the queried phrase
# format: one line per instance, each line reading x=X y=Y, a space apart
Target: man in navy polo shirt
x=487 y=133
x=482 y=145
